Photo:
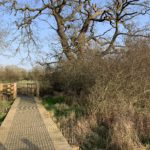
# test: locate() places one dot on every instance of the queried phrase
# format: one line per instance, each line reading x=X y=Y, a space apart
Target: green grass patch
x=60 y=108
x=4 y=107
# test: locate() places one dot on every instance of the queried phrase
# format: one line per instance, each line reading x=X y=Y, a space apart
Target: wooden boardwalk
x=28 y=126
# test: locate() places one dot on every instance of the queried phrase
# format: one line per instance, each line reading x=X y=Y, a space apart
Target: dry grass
x=120 y=99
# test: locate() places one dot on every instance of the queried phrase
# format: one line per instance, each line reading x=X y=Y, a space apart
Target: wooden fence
x=28 y=88
x=8 y=91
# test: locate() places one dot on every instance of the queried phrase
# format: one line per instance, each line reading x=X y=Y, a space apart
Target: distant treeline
x=14 y=73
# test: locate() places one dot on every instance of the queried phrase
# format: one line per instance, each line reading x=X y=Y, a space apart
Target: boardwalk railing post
x=37 y=89
x=15 y=91
x=1 y=90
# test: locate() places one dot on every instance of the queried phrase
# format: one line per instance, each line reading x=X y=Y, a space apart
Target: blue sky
x=45 y=34
x=9 y=56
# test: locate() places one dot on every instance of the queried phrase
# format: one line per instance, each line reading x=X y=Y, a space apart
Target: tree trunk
x=63 y=38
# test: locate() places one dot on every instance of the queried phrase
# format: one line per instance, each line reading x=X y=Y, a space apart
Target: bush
x=115 y=94
x=120 y=99
x=75 y=78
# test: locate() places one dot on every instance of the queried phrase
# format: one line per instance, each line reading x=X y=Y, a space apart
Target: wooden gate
x=29 y=88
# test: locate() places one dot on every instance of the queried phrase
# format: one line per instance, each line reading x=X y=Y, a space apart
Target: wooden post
x=1 y=90
x=15 y=91
x=1 y=87
x=37 y=89
x=9 y=91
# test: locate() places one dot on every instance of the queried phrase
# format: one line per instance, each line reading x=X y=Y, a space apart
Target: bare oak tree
x=78 y=21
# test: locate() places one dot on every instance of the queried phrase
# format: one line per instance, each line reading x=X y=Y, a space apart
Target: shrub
x=115 y=94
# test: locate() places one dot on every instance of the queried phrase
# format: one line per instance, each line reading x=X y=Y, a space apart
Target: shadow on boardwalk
x=28 y=143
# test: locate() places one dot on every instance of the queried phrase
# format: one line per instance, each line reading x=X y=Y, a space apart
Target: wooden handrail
x=8 y=89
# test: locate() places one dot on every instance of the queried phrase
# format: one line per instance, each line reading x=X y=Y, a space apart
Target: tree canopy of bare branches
x=78 y=22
